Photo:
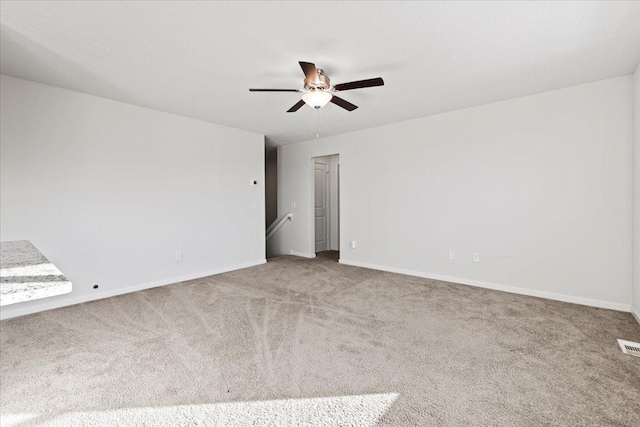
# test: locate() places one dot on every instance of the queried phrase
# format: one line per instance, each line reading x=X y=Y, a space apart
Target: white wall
x=636 y=193
x=540 y=186
x=110 y=191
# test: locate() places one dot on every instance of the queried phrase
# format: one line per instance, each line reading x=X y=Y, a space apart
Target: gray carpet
x=313 y=342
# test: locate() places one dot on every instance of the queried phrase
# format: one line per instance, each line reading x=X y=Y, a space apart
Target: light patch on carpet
x=14 y=420
x=361 y=410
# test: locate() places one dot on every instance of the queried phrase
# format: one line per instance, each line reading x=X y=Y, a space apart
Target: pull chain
x=318 y=123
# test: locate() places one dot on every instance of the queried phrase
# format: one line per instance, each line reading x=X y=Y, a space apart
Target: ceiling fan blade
x=274 y=90
x=344 y=104
x=310 y=71
x=360 y=84
x=296 y=107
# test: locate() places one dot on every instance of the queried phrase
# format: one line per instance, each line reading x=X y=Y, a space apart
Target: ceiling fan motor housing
x=321 y=82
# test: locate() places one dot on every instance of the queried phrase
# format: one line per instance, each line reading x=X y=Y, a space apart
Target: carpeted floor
x=313 y=342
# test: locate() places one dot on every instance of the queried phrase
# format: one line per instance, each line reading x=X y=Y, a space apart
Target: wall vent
x=628 y=347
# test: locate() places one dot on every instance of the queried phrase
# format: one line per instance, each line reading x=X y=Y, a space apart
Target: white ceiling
x=199 y=59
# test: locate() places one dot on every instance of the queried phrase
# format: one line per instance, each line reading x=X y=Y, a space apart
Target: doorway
x=326 y=197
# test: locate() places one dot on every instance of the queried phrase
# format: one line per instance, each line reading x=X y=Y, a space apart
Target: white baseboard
x=64 y=302
x=504 y=288
x=636 y=313
x=302 y=254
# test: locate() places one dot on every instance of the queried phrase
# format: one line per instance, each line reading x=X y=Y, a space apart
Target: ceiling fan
x=318 y=90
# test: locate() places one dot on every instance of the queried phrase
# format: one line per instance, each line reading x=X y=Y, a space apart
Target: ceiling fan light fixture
x=317 y=98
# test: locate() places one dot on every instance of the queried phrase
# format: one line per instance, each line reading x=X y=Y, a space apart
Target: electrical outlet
x=293 y=205
x=476 y=257
x=353 y=244
x=178 y=256
x=452 y=254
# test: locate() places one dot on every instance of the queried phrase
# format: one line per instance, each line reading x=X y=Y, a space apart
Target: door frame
x=311 y=204
x=327 y=200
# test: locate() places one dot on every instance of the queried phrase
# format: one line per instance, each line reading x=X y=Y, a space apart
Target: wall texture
x=109 y=192
x=539 y=186
x=636 y=193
